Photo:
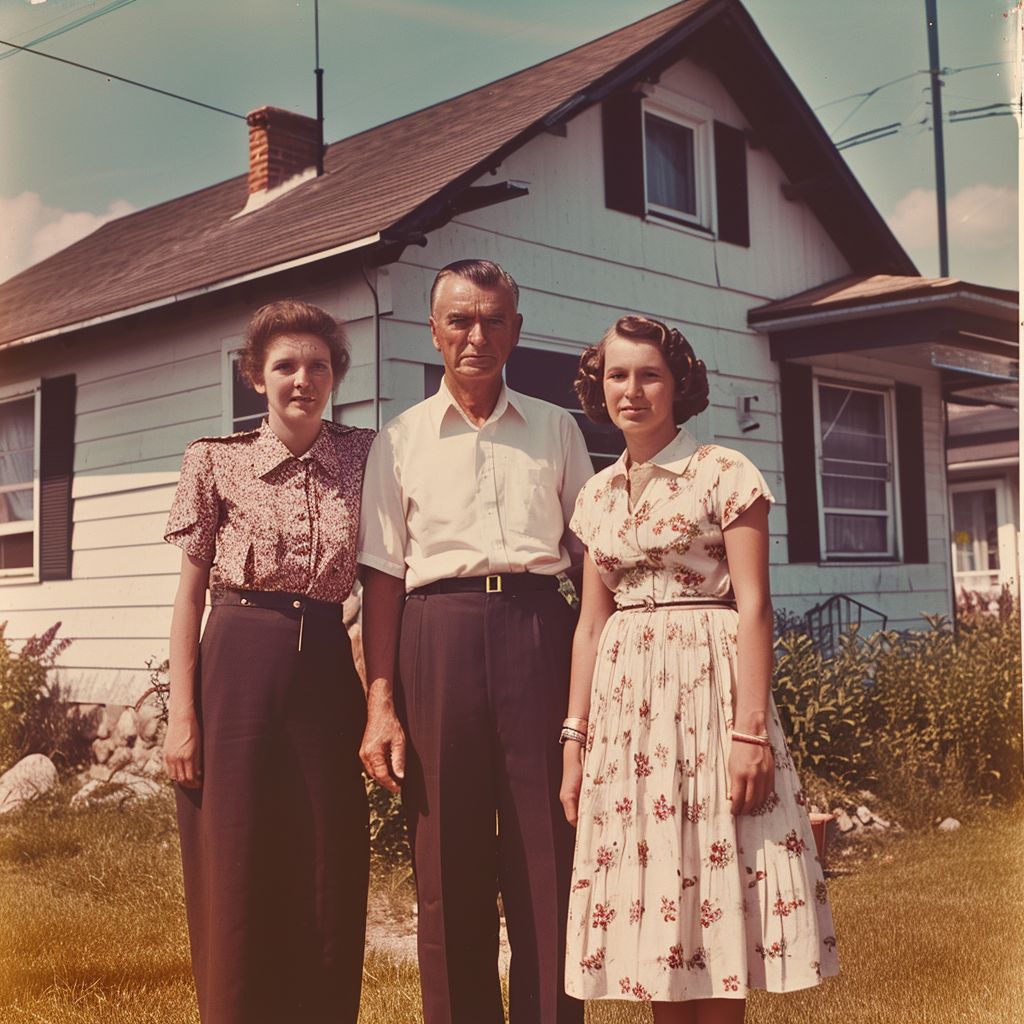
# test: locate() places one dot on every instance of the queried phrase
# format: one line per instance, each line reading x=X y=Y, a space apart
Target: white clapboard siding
x=144 y=445
x=124 y=503
x=138 y=560
x=67 y=596
x=149 y=384
x=183 y=407
x=127 y=531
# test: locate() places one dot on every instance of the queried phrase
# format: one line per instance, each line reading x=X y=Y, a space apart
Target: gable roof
x=396 y=181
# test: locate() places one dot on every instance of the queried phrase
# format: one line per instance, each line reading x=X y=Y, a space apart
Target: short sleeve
x=738 y=485
x=195 y=511
x=580 y=522
x=383 y=535
x=577 y=470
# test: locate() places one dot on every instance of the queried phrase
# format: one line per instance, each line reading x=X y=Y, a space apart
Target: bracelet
x=579 y=724
x=572 y=734
x=761 y=741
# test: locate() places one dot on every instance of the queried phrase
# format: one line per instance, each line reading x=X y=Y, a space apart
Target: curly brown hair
x=688 y=372
x=291 y=316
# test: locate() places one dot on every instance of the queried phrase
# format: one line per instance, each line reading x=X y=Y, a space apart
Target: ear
x=259 y=387
x=433 y=335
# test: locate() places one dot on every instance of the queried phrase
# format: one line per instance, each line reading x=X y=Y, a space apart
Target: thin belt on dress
x=650 y=605
x=279 y=601
x=499 y=583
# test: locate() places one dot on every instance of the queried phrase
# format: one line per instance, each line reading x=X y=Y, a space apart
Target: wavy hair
x=688 y=372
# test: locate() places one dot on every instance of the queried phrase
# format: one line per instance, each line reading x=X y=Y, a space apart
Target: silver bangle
x=572 y=734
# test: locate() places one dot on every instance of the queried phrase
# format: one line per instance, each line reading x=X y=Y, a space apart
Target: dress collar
x=673 y=458
x=270 y=451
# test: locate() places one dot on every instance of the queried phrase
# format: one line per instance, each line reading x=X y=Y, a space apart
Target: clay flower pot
x=819 y=823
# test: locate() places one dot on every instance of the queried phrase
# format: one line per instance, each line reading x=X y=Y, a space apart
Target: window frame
x=1004 y=551
x=700 y=120
x=230 y=348
x=893 y=511
x=11 y=393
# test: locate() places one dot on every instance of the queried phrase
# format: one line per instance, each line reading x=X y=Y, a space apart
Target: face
x=297 y=379
x=474 y=329
x=638 y=388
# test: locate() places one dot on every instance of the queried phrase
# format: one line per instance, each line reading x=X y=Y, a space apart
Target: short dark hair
x=482 y=273
x=291 y=316
x=688 y=372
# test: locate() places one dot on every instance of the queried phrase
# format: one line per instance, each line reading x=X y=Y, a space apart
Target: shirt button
x=296 y=604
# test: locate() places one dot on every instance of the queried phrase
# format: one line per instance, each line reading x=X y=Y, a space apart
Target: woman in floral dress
x=695 y=875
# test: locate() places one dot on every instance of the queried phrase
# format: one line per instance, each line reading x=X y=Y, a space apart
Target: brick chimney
x=281 y=145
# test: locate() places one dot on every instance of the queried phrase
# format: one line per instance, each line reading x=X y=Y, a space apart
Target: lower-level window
x=854 y=441
x=976 y=518
x=17 y=484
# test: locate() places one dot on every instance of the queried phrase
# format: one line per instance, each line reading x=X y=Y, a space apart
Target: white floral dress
x=673 y=897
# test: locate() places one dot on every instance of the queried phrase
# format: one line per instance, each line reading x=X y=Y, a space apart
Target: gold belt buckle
x=493 y=584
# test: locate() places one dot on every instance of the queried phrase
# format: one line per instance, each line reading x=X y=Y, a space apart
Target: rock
x=843 y=820
x=864 y=815
x=949 y=825
x=154 y=767
x=126 y=730
x=107 y=724
x=102 y=749
x=98 y=771
x=148 y=722
x=121 y=787
x=31 y=777
x=140 y=754
x=119 y=758
x=880 y=823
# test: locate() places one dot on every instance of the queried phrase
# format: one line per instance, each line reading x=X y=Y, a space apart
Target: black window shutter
x=731 y=184
x=910 y=445
x=56 y=467
x=623 y=135
x=799 y=463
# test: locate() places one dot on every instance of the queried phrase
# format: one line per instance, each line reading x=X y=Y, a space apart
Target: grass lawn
x=92 y=930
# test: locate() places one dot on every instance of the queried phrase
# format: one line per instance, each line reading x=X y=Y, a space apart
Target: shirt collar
x=270 y=451
x=443 y=404
x=673 y=458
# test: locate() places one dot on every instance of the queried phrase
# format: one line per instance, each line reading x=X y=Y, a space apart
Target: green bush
x=33 y=709
x=925 y=718
x=388 y=840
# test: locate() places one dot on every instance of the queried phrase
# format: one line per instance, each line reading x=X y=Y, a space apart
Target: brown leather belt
x=651 y=605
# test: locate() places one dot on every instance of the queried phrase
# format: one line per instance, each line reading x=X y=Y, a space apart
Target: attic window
x=671 y=146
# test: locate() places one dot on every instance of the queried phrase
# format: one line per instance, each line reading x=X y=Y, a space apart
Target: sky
x=77 y=148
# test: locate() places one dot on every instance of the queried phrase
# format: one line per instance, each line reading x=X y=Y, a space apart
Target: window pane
x=17 y=441
x=855 y=535
x=852 y=424
x=670 y=165
x=850 y=492
x=16 y=551
x=244 y=401
x=975 y=531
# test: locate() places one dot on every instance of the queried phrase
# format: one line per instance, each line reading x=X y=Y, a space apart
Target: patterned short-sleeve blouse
x=654 y=530
x=267 y=520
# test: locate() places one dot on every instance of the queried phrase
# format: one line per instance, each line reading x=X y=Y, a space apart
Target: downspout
x=376 y=344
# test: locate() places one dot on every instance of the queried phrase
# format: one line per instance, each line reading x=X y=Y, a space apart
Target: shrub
x=388 y=840
x=33 y=708
x=927 y=718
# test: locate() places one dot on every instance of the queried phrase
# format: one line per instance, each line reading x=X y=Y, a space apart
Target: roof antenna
x=319 y=72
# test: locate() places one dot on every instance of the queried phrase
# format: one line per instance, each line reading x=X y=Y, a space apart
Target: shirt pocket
x=533 y=508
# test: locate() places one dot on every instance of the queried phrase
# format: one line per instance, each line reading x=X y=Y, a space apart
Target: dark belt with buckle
x=281 y=602
x=499 y=583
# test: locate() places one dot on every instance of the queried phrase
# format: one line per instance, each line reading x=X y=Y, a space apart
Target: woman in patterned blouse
x=695 y=877
x=266 y=716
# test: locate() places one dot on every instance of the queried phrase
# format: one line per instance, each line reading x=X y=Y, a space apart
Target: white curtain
x=670 y=165
x=17 y=441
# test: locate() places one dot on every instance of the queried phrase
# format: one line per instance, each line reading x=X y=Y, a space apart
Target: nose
x=633 y=385
x=301 y=377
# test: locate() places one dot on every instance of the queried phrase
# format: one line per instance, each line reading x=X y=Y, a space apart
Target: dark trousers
x=484 y=689
x=275 y=844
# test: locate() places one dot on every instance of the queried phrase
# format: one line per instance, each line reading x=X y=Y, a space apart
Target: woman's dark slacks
x=484 y=689
x=275 y=844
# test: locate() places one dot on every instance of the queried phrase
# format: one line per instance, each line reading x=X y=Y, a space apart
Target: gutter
x=967 y=301
x=192 y=293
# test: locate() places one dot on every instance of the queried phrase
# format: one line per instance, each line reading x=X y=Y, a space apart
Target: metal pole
x=935 y=70
x=319 y=72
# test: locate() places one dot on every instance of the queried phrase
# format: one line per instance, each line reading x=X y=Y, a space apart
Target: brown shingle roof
x=385 y=176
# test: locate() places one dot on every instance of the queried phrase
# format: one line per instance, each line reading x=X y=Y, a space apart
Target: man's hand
x=572 y=780
x=383 y=748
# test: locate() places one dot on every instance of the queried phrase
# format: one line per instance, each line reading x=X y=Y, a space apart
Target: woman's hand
x=183 y=750
x=572 y=780
x=751 y=776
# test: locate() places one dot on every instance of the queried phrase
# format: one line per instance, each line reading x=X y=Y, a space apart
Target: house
x=669 y=168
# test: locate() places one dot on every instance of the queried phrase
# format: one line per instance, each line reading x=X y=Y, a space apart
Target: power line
x=127 y=81
x=74 y=24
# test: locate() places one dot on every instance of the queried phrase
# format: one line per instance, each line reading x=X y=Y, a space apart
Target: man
x=465 y=503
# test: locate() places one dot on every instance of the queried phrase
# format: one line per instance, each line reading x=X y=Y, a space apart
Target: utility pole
x=935 y=70
x=319 y=72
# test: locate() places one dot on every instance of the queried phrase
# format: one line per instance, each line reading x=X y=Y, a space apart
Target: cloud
x=978 y=217
x=31 y=231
